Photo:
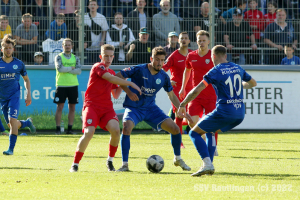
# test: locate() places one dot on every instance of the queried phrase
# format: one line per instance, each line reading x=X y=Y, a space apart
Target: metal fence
x=254 y=32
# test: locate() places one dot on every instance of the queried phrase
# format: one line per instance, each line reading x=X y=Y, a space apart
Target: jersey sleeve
x=168 y=63
x=100 y=70
x=167 y=86
x=246 y=77
x=187 y=62
x=130 y=71
x=23 y=71
x=211 y=76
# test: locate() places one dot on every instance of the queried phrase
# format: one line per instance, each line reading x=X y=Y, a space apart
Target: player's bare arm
x=116 y=92
x=118 y=81
x=28 y=90
x=185 y=79
x=193 y=94
x=130 y=94
x=250 y=84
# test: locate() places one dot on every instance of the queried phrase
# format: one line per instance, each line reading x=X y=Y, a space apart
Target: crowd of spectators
x=254 y=31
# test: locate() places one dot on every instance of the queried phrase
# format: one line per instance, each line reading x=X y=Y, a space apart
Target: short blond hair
x=8 y=39
x=60 y=16
x=107 y=47
x=3 y=17
x=27 y=15
x=219 y=50
x=67 y=40
x=202 y=32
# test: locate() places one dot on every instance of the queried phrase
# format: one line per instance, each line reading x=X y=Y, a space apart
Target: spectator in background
x=98 y=25
x=163 y=23
x=290 y=59
x=11 y=9
x=38 y=58
x=39 y=10
x=173 y=44
x=140 y=50
x=58 y=28
x=235 y=35
x=292 y=7
x=125 y=6
x=119 y=36
x=106 y=8
x=66 y=7
x=277 y=35
x=228 y=15
x=255 y=19
x=270 y=17
x=138 y=18
x=4 y=27
x=73 y=32
x=26 y=35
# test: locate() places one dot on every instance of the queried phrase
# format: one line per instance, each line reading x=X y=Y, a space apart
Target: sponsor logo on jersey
x=145 y=78
x=293 y=63
x=180 y=60
x=15 y=66
x=101 y=67
x=127 y=69
x=8 y=76
x=147 y=90
x=89 y=121
x=194 y=60
x=231 y=70
x=56 y=99
x=116 y=117
x=237 y=105
x=207 y=61
x=234 y=101
x=158 y=81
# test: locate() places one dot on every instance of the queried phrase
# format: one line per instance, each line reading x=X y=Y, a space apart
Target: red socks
x=78 y=156
x=178 y=121
x=112 y=150
x=216 y=137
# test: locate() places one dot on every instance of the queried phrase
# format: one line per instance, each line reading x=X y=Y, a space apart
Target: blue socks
x=211 y=145
x=12 y=141
x=199 y=144
x=176 y=142
x=25 y=123
x=125 y=146
x=1 y=127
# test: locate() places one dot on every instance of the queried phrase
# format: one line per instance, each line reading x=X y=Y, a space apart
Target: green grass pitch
x=249 y=166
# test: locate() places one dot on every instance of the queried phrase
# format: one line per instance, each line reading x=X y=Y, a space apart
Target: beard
x=165 y=11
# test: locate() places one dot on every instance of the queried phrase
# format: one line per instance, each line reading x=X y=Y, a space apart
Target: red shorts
x=176 y=92
x=196 y=106
x=93 y=116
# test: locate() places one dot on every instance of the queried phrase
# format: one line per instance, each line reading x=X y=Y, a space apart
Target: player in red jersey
x=98 y=108
x=198 y=63
x=176 y=64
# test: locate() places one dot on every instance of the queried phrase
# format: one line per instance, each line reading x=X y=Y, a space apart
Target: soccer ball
x=155 y=163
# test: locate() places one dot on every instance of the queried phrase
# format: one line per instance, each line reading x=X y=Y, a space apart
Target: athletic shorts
x=93 y=116
x=152 y=115
x=215 y=121
x=196 y=106
x=62 y=93
x=10 y=108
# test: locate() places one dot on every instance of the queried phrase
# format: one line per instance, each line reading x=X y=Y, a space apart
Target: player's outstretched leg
x=178 y=122
x=202 y=149
x=125 y=144
x=12 y=143
x=176 y=139
x=81 y=147
x=28 y=123
x=114 y=130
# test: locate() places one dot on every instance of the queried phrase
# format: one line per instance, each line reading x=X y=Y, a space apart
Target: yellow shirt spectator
x=4 y=32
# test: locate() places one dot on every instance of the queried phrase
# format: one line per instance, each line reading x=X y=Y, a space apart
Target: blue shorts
x=215 y=121
x=10 y=108
x=152 y=115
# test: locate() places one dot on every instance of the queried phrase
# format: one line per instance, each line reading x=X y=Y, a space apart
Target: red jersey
x=255 y=18
x=176 y=64
x=200 y=66
x=98 y=91
x=269 y=18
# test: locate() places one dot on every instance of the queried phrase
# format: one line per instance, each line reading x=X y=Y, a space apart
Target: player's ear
x=100 y=56
x=151 y=59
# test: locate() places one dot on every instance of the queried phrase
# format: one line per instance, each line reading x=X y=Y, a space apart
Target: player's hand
x=181 y=94
x=189 y=118
x=229 y=46
x=279 y=47
x=28 y=99
x=132 y=47
x=181 y=112
x=134 y=86
x=73 y=68
x=173 y=83
x=126 y=47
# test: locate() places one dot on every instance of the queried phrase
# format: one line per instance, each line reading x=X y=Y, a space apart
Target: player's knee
x=126 y=129
x=115 y=132
x=175 y=130
x=88 y=133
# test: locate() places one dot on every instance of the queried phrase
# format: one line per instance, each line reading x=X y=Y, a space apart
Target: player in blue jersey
x=10 y=70
x=150 y=78
x=228 y=80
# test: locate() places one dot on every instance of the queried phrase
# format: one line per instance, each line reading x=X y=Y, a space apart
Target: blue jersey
x=226 y=79
x=295 y=60
x=149 y=84
x=9 y=78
